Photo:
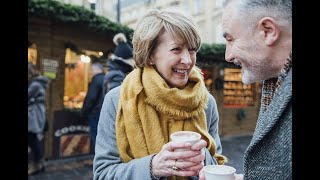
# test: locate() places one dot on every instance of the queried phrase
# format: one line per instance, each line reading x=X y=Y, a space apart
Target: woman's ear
x=150 y=61
x=269 y=30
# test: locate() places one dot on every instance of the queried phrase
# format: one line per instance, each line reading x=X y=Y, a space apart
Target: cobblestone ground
x=76 y=168
x=233 y=148
x=66 y=169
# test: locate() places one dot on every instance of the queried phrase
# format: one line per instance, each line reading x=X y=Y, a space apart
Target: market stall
x=62 y=41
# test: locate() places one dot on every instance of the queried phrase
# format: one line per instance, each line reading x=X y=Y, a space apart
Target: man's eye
x=228 y=39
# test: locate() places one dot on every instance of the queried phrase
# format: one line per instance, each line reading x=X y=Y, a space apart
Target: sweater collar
x=272 y=85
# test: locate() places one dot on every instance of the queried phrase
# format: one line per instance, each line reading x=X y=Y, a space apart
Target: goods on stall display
x=74 y=102
x=236 y=94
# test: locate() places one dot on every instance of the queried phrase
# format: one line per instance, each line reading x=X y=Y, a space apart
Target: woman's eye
x=175 y=49
x=192 y=51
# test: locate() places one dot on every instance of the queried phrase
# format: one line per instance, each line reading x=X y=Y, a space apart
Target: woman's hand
x=199 y=146
x=188 y=159
x=201 y=175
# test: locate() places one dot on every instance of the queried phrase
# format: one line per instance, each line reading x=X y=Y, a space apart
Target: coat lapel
x=267 y=119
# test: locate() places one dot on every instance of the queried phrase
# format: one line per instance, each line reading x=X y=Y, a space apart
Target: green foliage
x=57 y=11
x=212 y=50
x=68 y=13
x=211 y=54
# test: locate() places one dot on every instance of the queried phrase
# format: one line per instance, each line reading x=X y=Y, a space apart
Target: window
x=77 y=77
x=32 y=54
x=219 y=35
x=198 y=7
x=219 y=3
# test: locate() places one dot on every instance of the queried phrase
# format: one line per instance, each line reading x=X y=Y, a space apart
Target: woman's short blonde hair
x=153 y=24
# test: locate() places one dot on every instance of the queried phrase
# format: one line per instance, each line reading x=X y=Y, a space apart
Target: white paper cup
x=185 y=136
x=219 y=172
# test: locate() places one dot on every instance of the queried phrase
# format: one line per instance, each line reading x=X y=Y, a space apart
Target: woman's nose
x=185 y=58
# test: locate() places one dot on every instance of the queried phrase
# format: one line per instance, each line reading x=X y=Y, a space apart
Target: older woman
x=164 y=94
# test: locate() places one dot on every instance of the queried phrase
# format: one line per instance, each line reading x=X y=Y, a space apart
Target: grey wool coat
x=269 y=154
x=107 y=162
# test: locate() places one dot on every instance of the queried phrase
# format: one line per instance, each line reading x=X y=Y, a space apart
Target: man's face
x=243 y=47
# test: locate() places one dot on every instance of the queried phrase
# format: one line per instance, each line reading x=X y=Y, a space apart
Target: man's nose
x=228 y=55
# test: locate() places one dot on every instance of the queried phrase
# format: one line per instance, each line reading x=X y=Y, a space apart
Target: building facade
x=105 y=8
x=206 y=13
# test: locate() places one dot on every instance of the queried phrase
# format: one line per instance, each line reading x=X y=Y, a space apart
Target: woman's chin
x=179 y=85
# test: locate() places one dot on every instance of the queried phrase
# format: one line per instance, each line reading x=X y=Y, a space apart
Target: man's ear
x=269 y=30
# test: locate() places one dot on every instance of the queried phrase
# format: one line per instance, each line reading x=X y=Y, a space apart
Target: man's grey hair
x=251 y=11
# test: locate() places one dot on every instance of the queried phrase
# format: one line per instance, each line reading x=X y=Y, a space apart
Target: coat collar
x=267 y=119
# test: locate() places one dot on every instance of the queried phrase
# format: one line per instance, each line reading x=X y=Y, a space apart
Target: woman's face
x=173 y=60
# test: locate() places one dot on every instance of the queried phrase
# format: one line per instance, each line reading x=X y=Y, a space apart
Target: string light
x=85 y=59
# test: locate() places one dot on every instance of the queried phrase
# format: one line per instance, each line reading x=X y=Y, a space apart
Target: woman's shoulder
x=113 y=95
x=211 y=101
x=211 y=98
x=115 y=91
x=111 y=100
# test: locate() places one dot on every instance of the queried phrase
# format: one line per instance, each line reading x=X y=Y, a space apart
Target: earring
x=151 y=63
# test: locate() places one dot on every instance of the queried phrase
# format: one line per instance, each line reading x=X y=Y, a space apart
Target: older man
x=259 y=39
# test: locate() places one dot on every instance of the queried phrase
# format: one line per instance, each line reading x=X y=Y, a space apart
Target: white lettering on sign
x=70 y=129
x=50 y=62
x=50 y=67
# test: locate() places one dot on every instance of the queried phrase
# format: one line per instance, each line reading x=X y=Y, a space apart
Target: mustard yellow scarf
x=149 y=111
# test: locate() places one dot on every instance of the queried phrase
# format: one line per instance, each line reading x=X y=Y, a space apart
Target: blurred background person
x=120 y=63
x=93 y=101
x=164 y=94
x=37 y=85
